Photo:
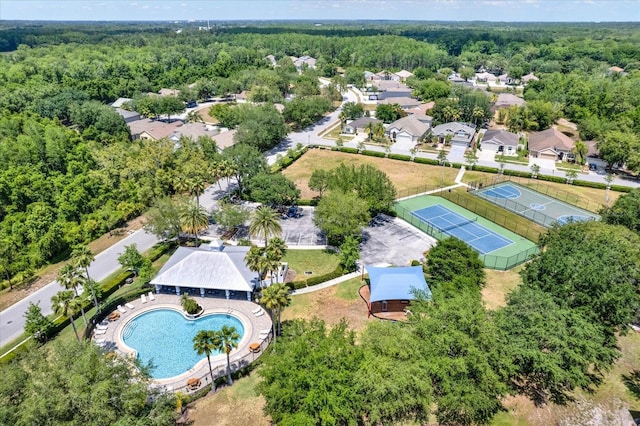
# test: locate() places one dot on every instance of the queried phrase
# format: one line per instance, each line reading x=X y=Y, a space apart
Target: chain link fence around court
x=502 y=218
x=540 y=186
x=490 y=261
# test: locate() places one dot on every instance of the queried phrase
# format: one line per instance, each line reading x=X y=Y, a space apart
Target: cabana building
x=215 y=270
x=391 y=289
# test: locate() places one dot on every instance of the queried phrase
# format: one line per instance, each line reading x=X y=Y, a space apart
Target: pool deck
x=239 y=357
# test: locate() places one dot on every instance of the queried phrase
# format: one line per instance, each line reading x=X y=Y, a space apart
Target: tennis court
x=477 y=236
x=534 y=205
x=498 y=247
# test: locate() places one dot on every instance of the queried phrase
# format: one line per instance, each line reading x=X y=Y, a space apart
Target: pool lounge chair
x=151 y=296
x=143 y=298
x=129 y=305
x=99 y=332
x=256 y=310
x=101 y=327
x=100 y=341
x=121 y=309
x=260 y=313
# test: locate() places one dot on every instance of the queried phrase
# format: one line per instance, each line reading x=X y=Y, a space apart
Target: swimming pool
x=164 y=337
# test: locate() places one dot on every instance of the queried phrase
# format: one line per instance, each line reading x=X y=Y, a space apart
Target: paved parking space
x=389 y=240
x=301 y=231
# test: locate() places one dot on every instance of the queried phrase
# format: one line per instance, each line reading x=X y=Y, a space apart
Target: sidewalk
x=326 y=284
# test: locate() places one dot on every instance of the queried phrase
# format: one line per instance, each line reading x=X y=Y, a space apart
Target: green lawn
x=348 y=290
x=319 y=262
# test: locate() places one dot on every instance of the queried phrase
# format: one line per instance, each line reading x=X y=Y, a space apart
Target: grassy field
x=499 y=284
x=404 y=175
x=319 y=262
x=236 y=405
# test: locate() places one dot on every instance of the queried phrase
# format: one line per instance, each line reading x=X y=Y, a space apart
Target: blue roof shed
x=396 y=283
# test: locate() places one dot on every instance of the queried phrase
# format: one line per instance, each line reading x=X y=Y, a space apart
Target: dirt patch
x=404 y=174
x=325 y=305
x=499 y=284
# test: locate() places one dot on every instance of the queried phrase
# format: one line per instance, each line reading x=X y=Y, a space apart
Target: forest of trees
x=68 y=170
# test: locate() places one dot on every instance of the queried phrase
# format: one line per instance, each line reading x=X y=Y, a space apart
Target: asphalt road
x=12 y=320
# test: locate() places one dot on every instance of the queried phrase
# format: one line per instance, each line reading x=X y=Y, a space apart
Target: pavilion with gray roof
x=213 y=270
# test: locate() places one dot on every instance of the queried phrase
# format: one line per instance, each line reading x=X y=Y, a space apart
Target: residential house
x=153 y=129
x=370 y=76
x=423 y=108
x=551 y=144
x=506 y=79
x=225 y=138
x=593 y=155
x=500 y=141
x=129 y=116
x=529 y=77
x=395 y=92
x=387 y=76
x=407 y=130
x=303 y=61
x=506 y=100
x=616 y=70
x=461 y=133
x=404 y=75
x=169 y=92
x=120 y=101
x=485 y=77
x=358 y=126
x=271 y=59
x=405 y=102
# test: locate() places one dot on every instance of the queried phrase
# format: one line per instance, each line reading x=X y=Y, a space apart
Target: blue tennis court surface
x=447 y=221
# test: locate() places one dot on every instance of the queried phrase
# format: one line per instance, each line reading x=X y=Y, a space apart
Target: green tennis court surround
x=498 y=247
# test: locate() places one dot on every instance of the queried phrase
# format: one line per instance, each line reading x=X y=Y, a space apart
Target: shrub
x=400 y=157
x=516 y=173
x=349 y=150
x=426 y=161
x=485 y=169
x=415 y=263
x=373 y=153
x=326 y=277
x=556 y=179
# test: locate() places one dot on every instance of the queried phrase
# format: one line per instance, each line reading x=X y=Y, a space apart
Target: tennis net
x=455 y=225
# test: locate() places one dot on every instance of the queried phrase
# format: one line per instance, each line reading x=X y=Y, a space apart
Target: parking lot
x=389 y=240
x=300 y=231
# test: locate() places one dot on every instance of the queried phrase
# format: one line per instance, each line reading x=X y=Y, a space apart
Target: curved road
x=12 y=320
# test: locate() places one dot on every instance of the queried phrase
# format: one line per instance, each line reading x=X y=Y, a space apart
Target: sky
x=423 y=10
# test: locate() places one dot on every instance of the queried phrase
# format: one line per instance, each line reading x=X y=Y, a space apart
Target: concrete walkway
x=326 y=284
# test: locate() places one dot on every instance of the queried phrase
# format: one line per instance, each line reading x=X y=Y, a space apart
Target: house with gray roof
x=506 y=100
x=500 y=141
x=407 y=130
x=461 y=133
x=405 y=102
x=152 y=129
x=215 y=270
x=357 y=126
x=128 y=116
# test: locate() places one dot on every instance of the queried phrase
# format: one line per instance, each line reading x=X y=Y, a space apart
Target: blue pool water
x=165 y=338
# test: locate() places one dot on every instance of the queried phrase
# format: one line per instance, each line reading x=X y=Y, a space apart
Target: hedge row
x=291 y=156
x=374 y=153
x=309 y=282
x=400 y=157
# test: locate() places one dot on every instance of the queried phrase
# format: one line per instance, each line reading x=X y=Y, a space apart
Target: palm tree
x=255 y=261
x=378 y=131
x=193 y=218
x=66 y=305
x=275 y=298
x=580 y=150
x=227 y=340
x=478 y=113
x=69 y=278
x=369 y=129
x=180 y=184
x=265 y=222
x=197 y=185
x=194 y=117
x=205 y=342
x=83 y=258
x=535 y=168
x=277 y=248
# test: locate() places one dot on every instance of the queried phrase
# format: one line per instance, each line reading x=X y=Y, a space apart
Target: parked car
x=593 y=167
x=191 y=104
